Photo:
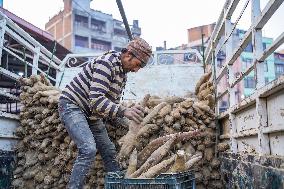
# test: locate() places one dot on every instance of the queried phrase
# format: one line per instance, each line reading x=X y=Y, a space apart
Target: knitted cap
x=141 y=49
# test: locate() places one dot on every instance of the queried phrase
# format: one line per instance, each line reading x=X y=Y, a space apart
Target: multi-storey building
x=196 y=34
x=279 y=64
x=82 y=29
x=247 y=60
x=274 y=64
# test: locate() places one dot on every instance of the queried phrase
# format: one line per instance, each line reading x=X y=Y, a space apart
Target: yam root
x=132 y=167
x=179 y=164
x=155 y=157
x=127 y=146
x=152 y=146
x=192 y=161
x=202 y=80
x=158 y=169
x=147 y=129
x=165 y=110
x=153 y=113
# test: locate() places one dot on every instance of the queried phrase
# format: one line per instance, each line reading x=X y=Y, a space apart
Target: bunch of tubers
x=45 y=153
x=177 y=134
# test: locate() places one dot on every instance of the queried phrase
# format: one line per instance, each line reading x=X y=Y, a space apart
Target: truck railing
x=222 y=38
x=31 y=52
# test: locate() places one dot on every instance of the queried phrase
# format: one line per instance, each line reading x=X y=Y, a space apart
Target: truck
x=253 y=126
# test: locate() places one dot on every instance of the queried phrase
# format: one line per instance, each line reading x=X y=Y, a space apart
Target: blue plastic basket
x=184 y=180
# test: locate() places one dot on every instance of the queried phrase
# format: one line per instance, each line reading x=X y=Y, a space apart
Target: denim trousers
x=88 y=137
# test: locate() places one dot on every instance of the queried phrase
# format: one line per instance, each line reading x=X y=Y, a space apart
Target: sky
x=160 y=20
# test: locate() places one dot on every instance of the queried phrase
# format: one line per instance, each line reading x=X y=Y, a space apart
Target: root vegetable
x=152 y=146
x=153 y=113
x=179 y=164
x=155 y=157
x=132 y=167
x=192 y=161
x=147 y=129
x=165 y=110
x=157 y=169
x=202 y=80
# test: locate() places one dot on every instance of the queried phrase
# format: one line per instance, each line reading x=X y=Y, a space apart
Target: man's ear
x=128 y=54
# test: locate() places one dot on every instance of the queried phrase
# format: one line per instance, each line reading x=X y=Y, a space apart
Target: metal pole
x=122 y=13
x=26 y=66
x=203 y=58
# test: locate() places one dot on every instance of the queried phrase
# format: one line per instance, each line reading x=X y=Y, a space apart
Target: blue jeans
x=88 y=136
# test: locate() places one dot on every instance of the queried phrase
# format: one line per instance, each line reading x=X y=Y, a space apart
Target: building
x=82 y=29
x=195 y=36
x=279 y=63
x=273 y=64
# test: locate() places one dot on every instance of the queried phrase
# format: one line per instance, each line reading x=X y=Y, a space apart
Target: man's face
x=130 y=63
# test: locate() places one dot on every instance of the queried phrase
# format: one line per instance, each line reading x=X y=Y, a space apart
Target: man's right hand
x=135 y=113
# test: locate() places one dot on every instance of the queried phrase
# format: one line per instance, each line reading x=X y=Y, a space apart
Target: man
x=94 y=94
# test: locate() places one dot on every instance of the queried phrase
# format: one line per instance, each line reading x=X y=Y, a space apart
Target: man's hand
x=135 y=113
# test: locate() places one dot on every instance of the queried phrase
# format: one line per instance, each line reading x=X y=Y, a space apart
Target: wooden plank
x=276 y=43
x=248 y=144
x=246 y=119
x=272 y=87
x=276 y=143
x=9 y=74
x=29 y=64
x=261 y=122
x=242 y=75
x=261 y=112
x=6 y=94
x=275 y=111
x=267 y=12
x=247 y=133
x=8 y=115
x=222 y=94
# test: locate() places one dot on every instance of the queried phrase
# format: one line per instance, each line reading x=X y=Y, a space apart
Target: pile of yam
x=177 y=134
x=45 y=153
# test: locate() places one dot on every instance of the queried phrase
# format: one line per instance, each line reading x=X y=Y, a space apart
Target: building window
x=266 y=80
x=247 y=62
x=98 y=25
x=248 y=48
x=249 y=82
x=265 y=66
x=219 y=62
x=119 y=32
x=100 y=45
x=81 y=21
x=279 y=70
x=263 y=46
x=81 y=41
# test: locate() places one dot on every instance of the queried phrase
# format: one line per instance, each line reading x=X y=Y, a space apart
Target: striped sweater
x=98 y=87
